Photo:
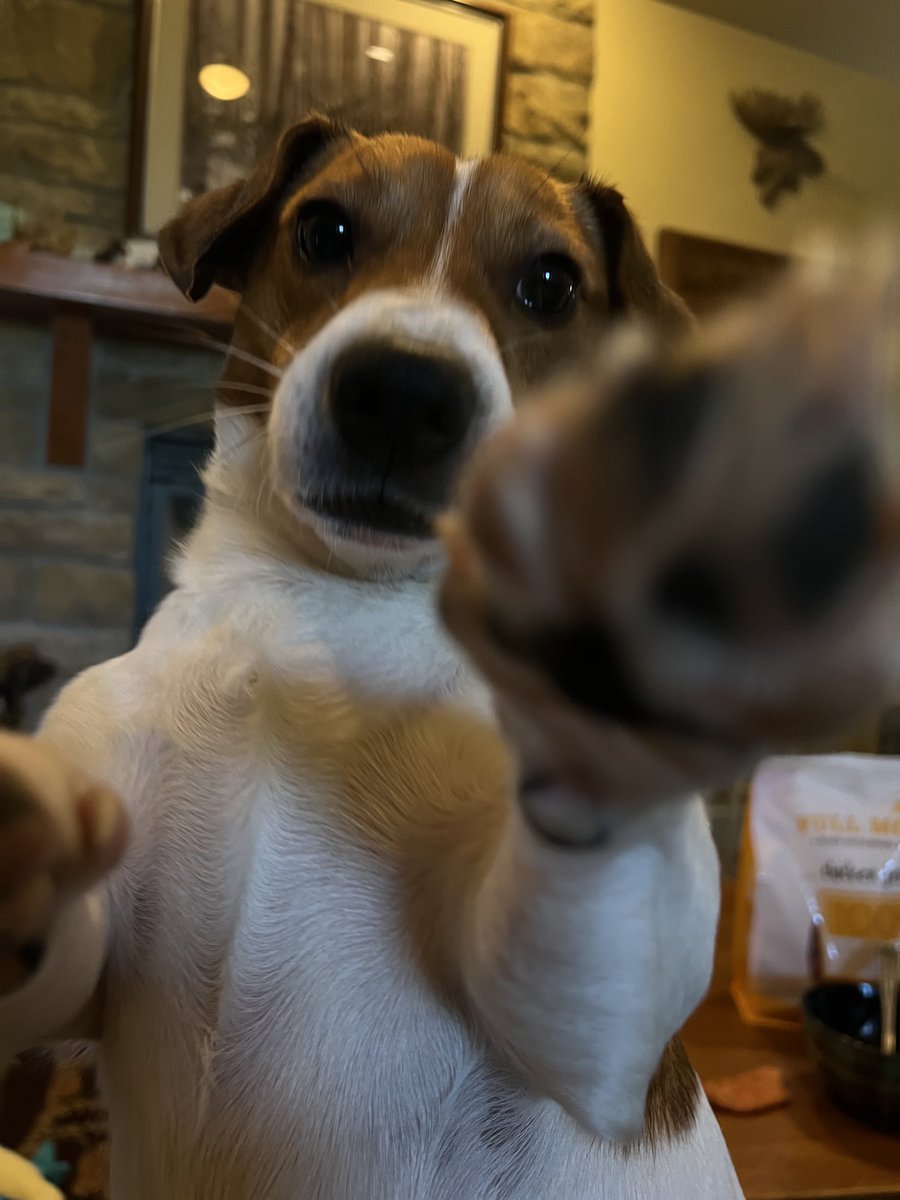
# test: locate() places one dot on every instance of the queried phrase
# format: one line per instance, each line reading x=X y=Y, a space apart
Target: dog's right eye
x=324 y=234
x=549 y=286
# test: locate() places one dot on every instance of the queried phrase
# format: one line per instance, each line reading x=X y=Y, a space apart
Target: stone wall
x=549 y=83
x=65 y=103
x=66 y=536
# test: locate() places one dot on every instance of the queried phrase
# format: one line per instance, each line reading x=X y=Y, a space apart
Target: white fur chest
x=268 y=965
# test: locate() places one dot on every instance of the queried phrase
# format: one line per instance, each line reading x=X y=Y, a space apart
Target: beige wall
x=663 y=131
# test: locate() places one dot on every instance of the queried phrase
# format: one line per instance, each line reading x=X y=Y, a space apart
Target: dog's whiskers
x=171 y=385
x=244 y=355
x=196 y=419
x=151 y=416
x=252 y=389
x=238 y=410
x=549 y=176
x=359 y=159
x=277 y=338
x=256 y=361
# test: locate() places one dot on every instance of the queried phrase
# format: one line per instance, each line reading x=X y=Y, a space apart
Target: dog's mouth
x=359 y=516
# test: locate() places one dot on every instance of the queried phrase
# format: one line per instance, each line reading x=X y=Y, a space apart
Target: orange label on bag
x=873 y=916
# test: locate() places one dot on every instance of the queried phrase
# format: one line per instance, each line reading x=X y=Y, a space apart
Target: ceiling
x=862 y=34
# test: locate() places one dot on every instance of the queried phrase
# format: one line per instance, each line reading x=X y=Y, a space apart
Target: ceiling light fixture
x=223 y=82
x=379 y=53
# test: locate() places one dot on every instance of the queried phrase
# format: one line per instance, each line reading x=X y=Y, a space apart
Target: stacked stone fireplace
x=70 y=580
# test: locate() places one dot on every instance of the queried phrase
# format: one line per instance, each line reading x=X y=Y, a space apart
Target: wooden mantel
x=81 y=299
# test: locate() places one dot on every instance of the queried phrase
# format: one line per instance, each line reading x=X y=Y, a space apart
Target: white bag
x=819 y=880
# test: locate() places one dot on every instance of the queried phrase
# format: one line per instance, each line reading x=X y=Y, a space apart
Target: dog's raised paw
x=696 y=546
x=59 y=833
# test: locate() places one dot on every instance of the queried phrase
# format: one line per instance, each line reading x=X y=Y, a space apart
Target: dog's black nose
x=401 y=402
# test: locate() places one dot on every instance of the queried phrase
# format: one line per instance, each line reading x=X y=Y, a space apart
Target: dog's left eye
x=549 y=285
x=324 y=234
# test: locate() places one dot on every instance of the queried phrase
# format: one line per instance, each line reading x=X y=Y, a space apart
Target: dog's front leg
x=673 y=563
x=583 y=963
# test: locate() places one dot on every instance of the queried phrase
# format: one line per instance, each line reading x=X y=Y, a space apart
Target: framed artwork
x=218 y=80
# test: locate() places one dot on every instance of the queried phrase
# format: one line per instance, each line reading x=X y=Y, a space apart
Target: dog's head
x=396 y=302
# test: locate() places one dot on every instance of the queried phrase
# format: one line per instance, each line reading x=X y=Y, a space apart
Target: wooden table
x=807 y=1151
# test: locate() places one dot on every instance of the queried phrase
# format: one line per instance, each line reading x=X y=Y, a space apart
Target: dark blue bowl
x=843 y=1028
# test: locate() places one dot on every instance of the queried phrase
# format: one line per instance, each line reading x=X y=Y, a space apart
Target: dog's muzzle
x=375 y=418
x=401 y=414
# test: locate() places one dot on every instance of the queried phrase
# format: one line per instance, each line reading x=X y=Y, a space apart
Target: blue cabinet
x=170 y=498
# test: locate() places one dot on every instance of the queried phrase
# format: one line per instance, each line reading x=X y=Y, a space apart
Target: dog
x=396 y=914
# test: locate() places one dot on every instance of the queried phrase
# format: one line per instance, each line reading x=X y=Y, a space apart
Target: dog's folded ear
x=215 y=236
x=633 y=281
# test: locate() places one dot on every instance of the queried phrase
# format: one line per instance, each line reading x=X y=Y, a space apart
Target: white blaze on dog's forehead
x=465 y=169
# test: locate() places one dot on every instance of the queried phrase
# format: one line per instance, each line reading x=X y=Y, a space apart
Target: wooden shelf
x=80 y=299
x=36 y=286
x=708 y=273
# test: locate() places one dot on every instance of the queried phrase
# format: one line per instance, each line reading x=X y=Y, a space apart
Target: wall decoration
x=219 y=79
x=782 y=126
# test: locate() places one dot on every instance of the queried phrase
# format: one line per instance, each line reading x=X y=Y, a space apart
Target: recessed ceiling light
x=379 y=53
x=223 y=82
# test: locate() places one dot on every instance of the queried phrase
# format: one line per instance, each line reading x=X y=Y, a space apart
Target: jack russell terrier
x=391 y=919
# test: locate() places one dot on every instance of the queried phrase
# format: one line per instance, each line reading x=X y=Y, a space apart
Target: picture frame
x=432 y=67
